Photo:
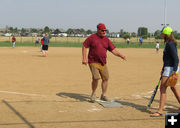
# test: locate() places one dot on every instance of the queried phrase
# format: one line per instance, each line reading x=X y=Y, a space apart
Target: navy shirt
x=170 y=56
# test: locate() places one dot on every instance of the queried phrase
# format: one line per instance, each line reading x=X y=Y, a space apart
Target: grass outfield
x=53 y=44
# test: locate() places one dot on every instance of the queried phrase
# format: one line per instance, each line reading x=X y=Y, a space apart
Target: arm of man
x=84 y=57
x=117 y=53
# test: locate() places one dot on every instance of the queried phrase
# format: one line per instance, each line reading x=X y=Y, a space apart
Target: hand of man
x=84 y=62
x=117 y=53
x=123 y=57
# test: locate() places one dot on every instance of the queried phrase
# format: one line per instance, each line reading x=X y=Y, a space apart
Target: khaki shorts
x=96 y=69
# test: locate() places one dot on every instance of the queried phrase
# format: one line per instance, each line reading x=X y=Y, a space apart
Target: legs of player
x=163 y=88
x=104 y=86
x=176 y=93
x=94 y=87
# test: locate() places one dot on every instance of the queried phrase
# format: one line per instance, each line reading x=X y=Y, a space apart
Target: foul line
x=18 y=114
x=25 y=94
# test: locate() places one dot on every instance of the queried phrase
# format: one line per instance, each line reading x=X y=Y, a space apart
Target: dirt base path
x=53 y=91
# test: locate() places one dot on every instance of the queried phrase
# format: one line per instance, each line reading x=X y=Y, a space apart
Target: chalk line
x=19 y=93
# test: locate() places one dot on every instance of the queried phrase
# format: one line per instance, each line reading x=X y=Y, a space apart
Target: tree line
x=141 y=32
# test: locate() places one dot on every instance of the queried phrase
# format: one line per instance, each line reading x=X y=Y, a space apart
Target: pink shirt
x=98 y=48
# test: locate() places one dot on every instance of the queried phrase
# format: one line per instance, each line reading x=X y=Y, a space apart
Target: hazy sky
x=116 y=14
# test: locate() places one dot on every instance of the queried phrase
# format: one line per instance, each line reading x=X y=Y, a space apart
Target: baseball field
x=53 y=91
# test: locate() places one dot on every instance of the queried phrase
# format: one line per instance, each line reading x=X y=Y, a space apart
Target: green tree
x=69 y=31
x=133 y=34
x=16 y=30
x=23 y=32
x=82 y=31
x=127 y=35
x=157 y=34
x=56 y=32
x=89 y=32
x=121 y=32
x=11 y=29
x=34 y=30
x=176 y=35
x=142 y=31
x=46 y=29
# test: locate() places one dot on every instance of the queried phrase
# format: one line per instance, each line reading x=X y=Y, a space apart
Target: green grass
x=65 y=44
x=137 y=45
x=30 y=44
x=68 y=44
x=18 y=44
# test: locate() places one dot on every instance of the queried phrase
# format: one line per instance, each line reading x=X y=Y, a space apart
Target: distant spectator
x=141 y=41
x=13 y=41
x=128 y=40
x=37 y=40
x=157 y=46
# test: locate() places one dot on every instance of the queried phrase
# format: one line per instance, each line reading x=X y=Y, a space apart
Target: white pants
x=14 y=44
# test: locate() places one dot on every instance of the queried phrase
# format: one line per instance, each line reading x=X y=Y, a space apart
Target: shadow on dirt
x=139 y=107
x=144 y=108
x=80 y=97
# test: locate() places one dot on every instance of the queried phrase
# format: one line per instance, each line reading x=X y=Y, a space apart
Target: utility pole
x=165 y=14
x=165 y=1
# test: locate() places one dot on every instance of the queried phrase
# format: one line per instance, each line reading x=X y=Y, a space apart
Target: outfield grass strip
x=69 y=44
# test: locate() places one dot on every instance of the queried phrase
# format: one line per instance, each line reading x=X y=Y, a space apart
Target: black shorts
x=45 y=47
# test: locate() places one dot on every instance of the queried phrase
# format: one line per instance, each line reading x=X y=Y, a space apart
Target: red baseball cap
x=101 y=27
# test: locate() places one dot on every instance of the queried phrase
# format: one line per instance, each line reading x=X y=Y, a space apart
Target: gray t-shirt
x=46 y=40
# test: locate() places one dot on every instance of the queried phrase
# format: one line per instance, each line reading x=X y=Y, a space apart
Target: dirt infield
x=53 y=91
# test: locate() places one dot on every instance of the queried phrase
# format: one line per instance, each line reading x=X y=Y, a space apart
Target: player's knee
x=105 y=80
x=163 y=89
x=95 y=79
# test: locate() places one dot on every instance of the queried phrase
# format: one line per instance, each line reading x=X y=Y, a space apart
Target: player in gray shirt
x=45 y=45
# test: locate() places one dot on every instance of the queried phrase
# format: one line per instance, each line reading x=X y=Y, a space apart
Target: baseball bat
x=154 y=93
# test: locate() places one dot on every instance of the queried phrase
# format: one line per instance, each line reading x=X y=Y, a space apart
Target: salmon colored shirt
x=98 y=47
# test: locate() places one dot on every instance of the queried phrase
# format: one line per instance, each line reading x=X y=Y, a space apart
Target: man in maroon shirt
x=98 y=45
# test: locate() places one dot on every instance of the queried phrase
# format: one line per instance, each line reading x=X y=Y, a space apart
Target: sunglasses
x=103 y=30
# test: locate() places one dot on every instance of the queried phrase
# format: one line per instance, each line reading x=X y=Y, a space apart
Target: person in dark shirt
x=170 y=66
x=98 y=45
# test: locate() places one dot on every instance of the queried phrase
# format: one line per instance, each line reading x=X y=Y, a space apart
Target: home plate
x=110 y=104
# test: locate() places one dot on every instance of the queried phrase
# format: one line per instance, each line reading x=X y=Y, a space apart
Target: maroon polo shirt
x=98 y=47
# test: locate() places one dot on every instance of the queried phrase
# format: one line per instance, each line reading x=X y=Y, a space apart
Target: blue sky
x=116 y=14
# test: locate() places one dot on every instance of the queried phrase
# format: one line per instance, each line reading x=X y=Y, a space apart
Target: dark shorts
x=45 y=47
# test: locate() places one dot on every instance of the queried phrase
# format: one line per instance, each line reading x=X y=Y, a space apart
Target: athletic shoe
x=93 y=98
x=104 y=98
